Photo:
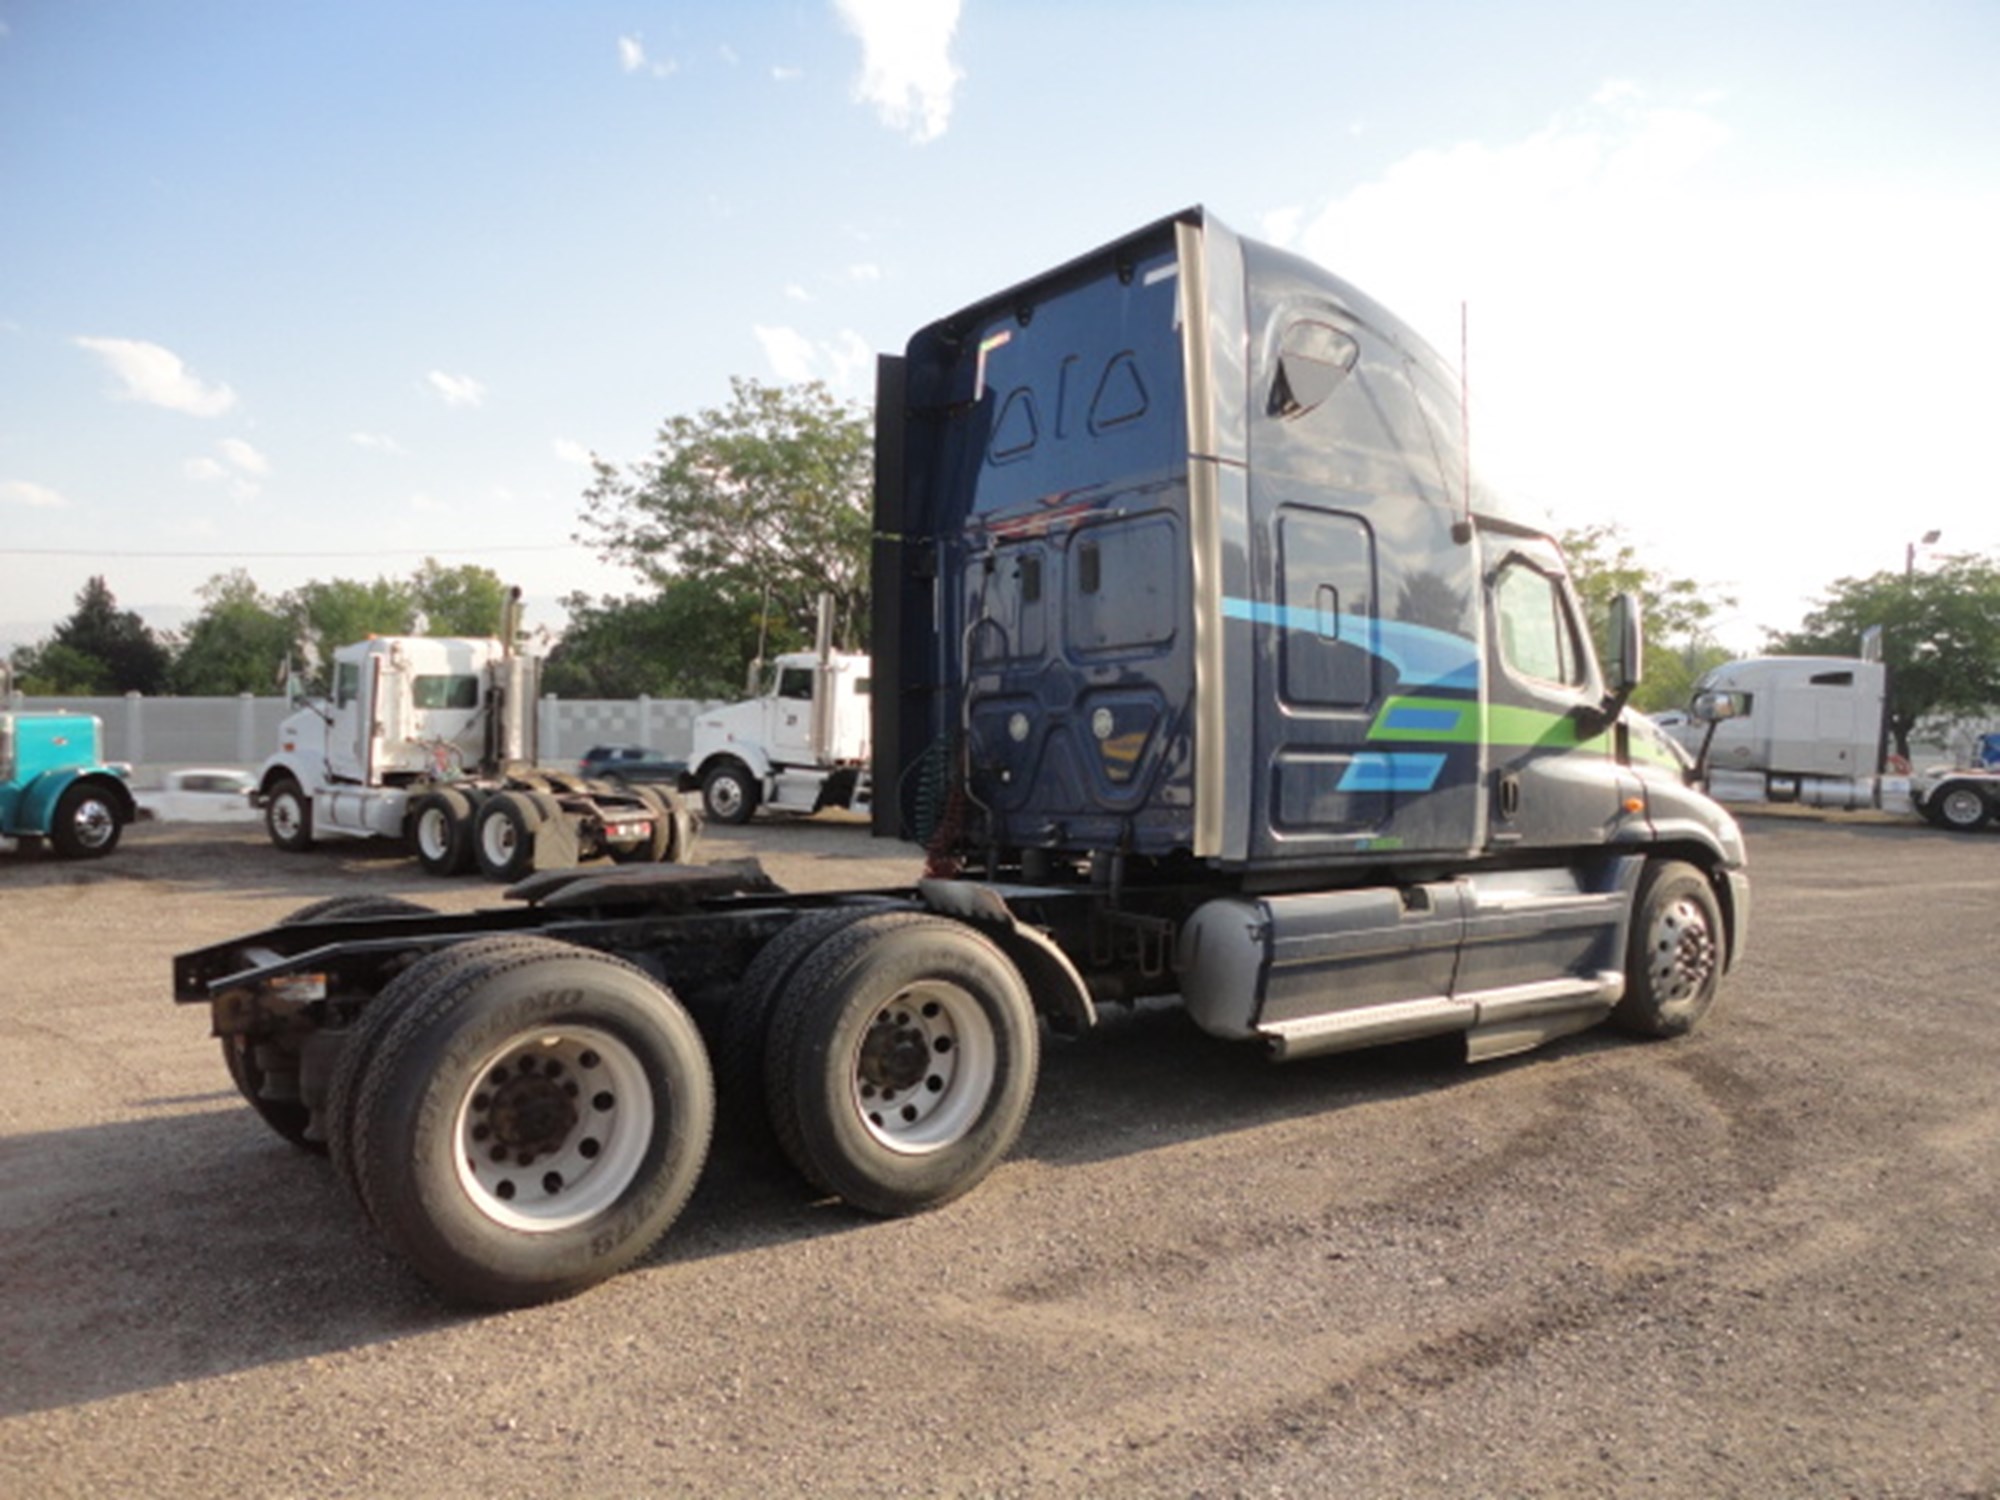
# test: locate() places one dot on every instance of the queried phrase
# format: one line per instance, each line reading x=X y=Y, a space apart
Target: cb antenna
x=1462 y=532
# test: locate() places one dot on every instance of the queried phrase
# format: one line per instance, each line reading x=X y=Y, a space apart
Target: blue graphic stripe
x=1413 y=720
x=1422 y=657
x=1389 y=771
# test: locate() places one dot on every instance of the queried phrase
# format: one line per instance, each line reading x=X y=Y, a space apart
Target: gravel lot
x=1761 y=1261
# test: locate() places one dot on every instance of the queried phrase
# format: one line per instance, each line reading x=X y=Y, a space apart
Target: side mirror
x=1627 y=636
x=1713 y=708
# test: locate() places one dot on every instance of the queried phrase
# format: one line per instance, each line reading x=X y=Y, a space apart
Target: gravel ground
x=1760 y=1261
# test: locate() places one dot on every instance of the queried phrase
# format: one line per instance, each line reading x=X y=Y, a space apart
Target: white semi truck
x=1814 y=730
x=801 y=744
x=1805 y=729
x=432 y=740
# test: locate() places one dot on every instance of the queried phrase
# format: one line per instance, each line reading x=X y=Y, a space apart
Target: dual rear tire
x=522 y=1118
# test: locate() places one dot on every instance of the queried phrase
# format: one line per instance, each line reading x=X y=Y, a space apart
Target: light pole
x=1910 y=552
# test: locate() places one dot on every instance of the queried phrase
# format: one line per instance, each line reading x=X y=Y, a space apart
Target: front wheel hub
x=1683 y=951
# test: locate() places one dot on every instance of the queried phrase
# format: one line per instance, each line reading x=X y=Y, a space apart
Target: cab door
x=352 y=737
x=790 y=740
x=1555 y=781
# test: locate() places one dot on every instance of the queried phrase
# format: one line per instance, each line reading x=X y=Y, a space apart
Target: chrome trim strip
x=1205 y=544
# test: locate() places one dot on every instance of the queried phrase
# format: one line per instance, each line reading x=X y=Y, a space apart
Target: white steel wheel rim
x=93 y=824
x=1962 y=806
x=433 y=833
x=924 y=1067
x=553 y=1128
x=497 y=834
x=728 y=794
x=285 y=814
x=1683 y=950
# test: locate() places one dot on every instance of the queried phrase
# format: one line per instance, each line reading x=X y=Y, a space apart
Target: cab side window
x=1537 y=632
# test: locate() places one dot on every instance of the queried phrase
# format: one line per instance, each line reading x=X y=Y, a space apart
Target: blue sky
x=317 y=290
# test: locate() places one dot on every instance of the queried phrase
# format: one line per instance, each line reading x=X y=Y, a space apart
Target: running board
x=1497 y=1022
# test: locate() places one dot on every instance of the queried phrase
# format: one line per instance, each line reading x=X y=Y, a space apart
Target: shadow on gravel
x=145 y=1253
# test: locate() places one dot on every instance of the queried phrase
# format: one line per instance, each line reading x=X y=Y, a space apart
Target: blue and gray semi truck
x=1202 y=668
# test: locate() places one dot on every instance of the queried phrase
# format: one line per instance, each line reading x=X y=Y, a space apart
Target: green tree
x=99 y=649
x=466 y=600
x=1940 y=638
x=622 y=648
x=54 y=670
x=237 y=644
x=331 y=613
x=762 y=503
x=1678 y=612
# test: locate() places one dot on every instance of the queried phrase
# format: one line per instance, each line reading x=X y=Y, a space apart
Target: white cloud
x=850 y=361
x=906 y=69
x=1660 y=342
x=157 y=376
x=632 y=58
x=571 y=451
x=245 y=457
x=864 y=272
x=1281 y=225
x=239 y=469
x=457 y=390
x=789 y=352
x=796 y=293
x=376 y=442
x=27 y=492
x=728 y=54
x=783 y=74
x=846 y=363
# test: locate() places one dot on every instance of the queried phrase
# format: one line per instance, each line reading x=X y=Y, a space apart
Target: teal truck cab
x=1202 y=667
x=53 y=785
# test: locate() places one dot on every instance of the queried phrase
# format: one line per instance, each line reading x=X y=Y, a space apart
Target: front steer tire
x=1674 y=957
x=86 y=824
x=533 y=1125
x=288 y=816
x=730 y=792
x=901 y=1062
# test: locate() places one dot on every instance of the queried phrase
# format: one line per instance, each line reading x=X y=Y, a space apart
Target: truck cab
x=1197 y=605
x=802 y=743
x=400 y=708
x=54 y=786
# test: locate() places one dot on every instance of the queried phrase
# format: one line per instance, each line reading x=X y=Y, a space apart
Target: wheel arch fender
x=38 y=802
x=751 y=757
x=1055 y=986
x=1727 y=878
x=283 y=768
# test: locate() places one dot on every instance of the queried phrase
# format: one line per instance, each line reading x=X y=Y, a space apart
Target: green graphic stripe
x=1455 y=721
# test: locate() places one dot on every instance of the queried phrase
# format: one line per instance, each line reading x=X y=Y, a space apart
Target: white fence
x=154 y=735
